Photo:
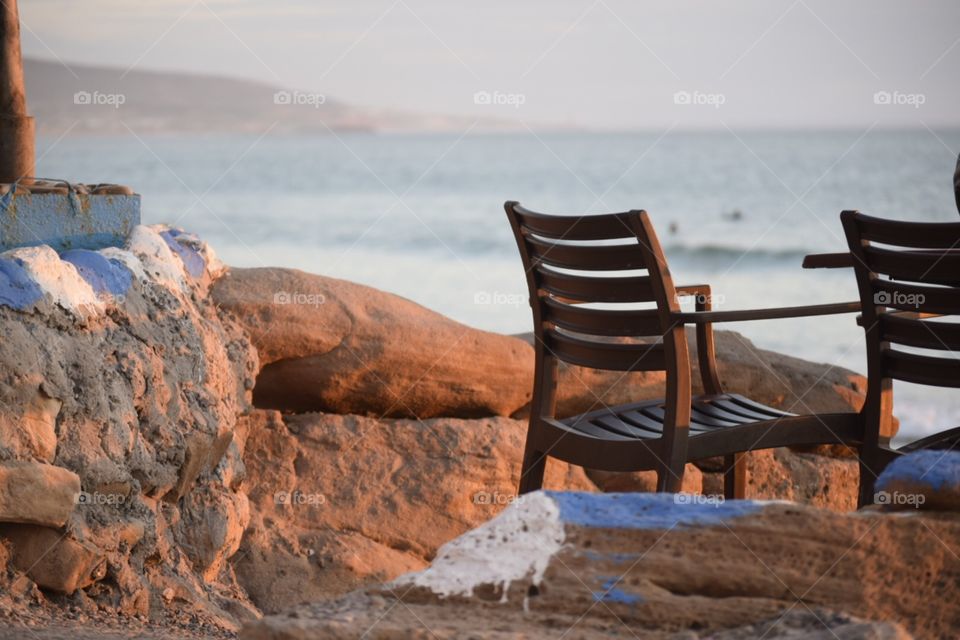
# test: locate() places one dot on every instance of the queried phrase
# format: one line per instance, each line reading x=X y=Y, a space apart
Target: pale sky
x=591 y=63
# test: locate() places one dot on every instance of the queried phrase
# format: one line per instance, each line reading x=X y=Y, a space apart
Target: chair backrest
x=574 y=262
x=908 y=274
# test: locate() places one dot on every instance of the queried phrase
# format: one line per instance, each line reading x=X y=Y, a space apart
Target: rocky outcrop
x=342 y=501
x=331 y=345
x=120 y=389
x=643 y=565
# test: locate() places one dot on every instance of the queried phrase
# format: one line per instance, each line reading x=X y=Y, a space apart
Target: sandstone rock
x=53 y=559
x=370 y=498
x=921 y=480
x=646 y=481
x=29 y=430
x=35 y=493
x=639 y=565
x=211 y=526
x=331 y=345
x=782 y=474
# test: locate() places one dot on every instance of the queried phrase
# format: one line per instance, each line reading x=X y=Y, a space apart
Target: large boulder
x=655 y=566
x=341 y=501
x=331 y=345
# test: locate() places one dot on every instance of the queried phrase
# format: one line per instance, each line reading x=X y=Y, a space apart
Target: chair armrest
x=706 y=351
x=828 y=261
x=746 y=315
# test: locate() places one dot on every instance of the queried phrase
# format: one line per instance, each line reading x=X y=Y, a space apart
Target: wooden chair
x=908 y=274
x=574 y=263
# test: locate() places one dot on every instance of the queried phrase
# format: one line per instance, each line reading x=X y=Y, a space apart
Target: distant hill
x=102 y=99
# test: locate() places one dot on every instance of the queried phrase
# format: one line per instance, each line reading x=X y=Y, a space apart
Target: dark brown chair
x=575 y=263
x=908 y=274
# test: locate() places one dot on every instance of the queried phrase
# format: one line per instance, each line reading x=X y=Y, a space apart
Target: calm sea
x=421 y=215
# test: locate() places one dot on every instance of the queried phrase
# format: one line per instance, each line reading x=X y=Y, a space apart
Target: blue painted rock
x=921 y=480
x=661 y=566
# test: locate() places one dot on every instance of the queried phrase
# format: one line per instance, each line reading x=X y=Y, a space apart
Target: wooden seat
x=589 y=278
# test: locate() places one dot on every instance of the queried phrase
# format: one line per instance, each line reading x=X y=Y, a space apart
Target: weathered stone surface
x=117 y=368
x=782 y=474
x=53 y=559
x=32 y=434
x=36 y=493
x=646 y=481
x=331 y=345
x=639 y=565
x=921 y=480
x=341 y=501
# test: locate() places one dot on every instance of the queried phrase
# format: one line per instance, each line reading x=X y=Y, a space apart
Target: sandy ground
x=48 y=623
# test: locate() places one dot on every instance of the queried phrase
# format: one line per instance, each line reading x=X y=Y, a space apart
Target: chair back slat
x=913 y=297
x=921 y=369
x=915 y=274
x=601 y=322
x=574 y=263
x=915 y=235
x=923 y=334
x=594 y=289
x=609 y=226
x=933 y=267
x=618 y=257
x=612 y=356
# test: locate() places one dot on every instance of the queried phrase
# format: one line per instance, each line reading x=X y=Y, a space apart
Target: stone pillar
x=16 y=127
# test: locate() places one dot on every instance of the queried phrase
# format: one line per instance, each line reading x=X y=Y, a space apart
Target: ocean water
x=422 y=216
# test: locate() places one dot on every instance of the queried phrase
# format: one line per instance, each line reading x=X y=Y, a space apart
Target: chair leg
x=670 y=477
x=531 y=473
x=735 y=476
x=868 y=475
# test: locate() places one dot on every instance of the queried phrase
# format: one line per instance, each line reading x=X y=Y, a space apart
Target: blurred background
x=377 y=141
